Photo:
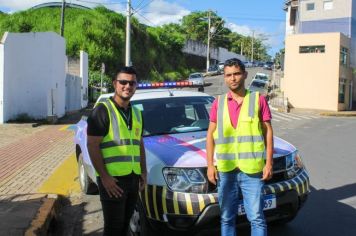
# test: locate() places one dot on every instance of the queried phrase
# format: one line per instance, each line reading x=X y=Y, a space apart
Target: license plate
x=269 y=203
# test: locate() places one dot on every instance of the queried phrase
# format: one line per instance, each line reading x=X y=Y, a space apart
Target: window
x=312 y=49
x=328 y=5
x=343 y=56
x=310 y=6
x=342 y=91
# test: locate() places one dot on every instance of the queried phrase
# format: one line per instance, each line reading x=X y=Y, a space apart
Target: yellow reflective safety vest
x=121 y=147
x=244 y=146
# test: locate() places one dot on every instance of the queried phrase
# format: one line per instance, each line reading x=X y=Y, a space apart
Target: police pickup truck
x=178 y=194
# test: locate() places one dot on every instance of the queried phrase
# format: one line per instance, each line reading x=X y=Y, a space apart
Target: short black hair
x=235 y=62
x=126 y=70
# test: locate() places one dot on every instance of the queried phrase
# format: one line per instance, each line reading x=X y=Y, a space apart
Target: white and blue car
x=178 y=194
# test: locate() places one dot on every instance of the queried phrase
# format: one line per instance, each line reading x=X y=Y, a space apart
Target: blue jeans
x=251 y=188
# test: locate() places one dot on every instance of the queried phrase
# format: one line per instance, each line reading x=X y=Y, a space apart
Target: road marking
x=289 y=116
x=280 y=117
x=64 y=179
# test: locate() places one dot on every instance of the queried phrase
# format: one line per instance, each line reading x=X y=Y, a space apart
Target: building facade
x=318 y=75
x=308 y=23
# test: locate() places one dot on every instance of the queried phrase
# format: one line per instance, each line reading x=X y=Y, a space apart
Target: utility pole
x=208 y=46
x=101 y=77
x=253 y=35
x=241 y=51
x=62 y=17
x=128 y=35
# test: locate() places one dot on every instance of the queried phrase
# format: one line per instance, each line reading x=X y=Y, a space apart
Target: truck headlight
x=293 y=164
x=185 y=179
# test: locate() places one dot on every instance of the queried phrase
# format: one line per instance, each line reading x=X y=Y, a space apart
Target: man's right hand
x=111 y=187
x=212 y=174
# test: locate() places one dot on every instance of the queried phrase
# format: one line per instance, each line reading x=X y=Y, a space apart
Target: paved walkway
x=28 y=157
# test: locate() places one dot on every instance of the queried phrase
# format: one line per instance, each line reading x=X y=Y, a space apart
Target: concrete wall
x=200 y=49
x=73 y=92
x=84 y=74
x=77 y=83
x=311 y=80
x=2 y=85
x=33 y=75
x=224 y=54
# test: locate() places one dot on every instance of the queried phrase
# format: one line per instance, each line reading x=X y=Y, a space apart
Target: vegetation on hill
x=155 y=51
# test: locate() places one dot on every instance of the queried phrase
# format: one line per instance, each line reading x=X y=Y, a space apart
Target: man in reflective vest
x=117 y=152
x=241 y=136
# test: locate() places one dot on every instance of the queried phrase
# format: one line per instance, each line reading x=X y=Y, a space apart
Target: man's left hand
x=267 y=172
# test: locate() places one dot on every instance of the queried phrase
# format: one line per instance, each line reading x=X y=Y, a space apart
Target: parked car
x=248 y=64
x=214 y=70
x=221 y=66
x=178 y=194
x=261 y=86
x=196 y=78
x=261 y=76
x=268 y=65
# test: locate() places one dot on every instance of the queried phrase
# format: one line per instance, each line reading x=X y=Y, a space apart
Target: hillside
x=101 y=33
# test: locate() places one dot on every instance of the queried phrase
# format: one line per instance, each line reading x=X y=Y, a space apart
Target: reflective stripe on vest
x=242 y=147
x=121 y=147
x=121 y=159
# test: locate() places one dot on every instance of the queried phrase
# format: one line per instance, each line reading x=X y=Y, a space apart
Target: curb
x=47 y=212
x=344 y=114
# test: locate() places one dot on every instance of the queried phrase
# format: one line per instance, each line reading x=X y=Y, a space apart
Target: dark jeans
x=118 y=211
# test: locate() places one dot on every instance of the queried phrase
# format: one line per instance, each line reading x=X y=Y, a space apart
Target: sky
x=264 y=18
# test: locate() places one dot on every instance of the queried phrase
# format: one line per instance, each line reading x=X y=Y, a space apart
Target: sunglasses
x=124 y=82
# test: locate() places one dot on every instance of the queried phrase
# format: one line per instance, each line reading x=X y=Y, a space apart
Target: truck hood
x=188 y=149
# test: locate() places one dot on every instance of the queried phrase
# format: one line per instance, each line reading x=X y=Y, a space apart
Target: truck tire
x=86 y=184
x=139 y=224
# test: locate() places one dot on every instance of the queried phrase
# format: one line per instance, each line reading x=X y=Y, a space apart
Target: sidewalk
x=28 y=157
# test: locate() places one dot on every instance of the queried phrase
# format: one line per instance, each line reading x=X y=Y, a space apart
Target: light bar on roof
x=178 y=84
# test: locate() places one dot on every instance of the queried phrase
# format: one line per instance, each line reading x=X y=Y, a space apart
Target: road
x=327 y=146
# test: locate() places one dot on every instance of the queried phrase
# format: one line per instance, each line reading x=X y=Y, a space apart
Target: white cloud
x=160 y=12
x=17 y=5
x=273 y=39
x=240 y=29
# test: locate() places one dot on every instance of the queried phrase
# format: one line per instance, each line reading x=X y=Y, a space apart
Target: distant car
x=268 y=65
x=196 y=78
x=260 y=64
x=261 y=86
x=248 y=64
x=214 y=70
x=221 y=66
x=261 y=76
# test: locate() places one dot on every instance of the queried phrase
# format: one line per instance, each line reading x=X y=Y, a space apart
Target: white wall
x=224 y=55
x=84 y=74
x=73 y=93
x=34 y=78
x=200 y=49
x=1 y=83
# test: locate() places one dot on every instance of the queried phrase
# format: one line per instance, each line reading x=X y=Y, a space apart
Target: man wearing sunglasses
x=117 y=152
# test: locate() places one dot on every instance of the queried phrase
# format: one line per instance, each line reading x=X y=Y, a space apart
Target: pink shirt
x=234 y=110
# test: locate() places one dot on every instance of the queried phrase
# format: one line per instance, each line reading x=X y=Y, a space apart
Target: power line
x=147 y=19
x=140 y=4
x=142 y=7
x=101 y=3
x=256 y=18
